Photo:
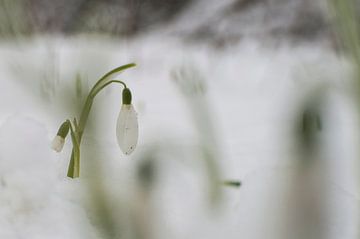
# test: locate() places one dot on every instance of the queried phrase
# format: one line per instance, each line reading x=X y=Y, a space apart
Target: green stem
x=116 y=70
x=106 y=84
x=74 y=167
x=88 y=104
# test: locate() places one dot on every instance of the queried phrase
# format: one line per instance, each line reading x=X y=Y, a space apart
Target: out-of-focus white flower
x=58 y=143
x=127 y=129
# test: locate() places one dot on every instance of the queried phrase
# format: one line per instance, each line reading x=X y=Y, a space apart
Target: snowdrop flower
x=59 y=140
x=127 y=125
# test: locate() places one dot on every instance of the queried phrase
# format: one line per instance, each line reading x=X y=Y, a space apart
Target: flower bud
x=127 y=128
x=59 y=140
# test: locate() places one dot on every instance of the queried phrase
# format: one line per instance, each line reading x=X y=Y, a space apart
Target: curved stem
x=116 y=70
x=93 y=94
x=84 y=115
x=88 y=104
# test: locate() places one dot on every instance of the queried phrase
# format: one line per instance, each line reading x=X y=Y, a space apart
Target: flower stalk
x=77 y=127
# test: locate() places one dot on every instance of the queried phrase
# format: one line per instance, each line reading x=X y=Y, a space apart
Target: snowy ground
x=253 y=93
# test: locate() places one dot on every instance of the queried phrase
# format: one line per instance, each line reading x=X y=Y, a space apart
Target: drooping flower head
x=59 y=140
x=127 y=129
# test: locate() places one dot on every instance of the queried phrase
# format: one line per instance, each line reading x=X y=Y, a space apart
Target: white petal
x=127 y=129
x=58 y=143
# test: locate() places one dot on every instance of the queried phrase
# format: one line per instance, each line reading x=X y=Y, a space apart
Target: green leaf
x=117 y=70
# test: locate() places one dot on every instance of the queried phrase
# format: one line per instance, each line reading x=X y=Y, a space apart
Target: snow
x=253 y=94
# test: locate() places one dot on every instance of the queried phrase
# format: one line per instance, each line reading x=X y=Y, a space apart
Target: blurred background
x=219 y=23
x=260 y=92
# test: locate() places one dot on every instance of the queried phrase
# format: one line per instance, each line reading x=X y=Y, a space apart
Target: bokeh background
x=263 y=92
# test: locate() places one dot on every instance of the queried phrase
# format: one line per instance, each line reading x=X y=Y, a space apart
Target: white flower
x=58 y=143
x=127 y=129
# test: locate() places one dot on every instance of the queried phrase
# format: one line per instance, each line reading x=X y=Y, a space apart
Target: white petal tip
x=58 y=143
